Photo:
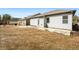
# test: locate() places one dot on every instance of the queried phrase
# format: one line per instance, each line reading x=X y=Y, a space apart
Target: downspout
x=44 y=21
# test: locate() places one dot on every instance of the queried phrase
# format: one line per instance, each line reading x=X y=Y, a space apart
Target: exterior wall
x=41 y=22
x=37 y=22
x=34 y=22
x=22 y=23
x=13 y=23
x=54 y=22
x=57 y=22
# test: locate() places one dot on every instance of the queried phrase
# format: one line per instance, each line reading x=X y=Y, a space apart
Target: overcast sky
x=23 y=12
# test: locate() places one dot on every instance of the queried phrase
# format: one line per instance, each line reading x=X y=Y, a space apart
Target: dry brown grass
x=13 y=38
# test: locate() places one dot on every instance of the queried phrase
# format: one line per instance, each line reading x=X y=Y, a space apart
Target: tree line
x=5 y=19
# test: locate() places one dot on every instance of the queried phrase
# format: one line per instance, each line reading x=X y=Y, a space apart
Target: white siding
x=37 y=22
x=56 y=22
x=34 y=22
x=41 y=22
x=24 y=23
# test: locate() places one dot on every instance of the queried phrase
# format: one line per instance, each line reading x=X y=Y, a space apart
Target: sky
x=24 y=12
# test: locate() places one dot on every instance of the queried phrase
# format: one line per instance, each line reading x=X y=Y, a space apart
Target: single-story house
x=14 y=21
x=22 y=22
x=30 y=17
x=17 y=21
x=58 y=20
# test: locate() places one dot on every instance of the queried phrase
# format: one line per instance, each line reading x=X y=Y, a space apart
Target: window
x=65 y=19
x=47 y=20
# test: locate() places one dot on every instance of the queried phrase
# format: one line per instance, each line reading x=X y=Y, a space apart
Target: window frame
x=65 y=19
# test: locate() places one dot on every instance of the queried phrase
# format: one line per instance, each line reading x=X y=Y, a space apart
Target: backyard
x=14 y=38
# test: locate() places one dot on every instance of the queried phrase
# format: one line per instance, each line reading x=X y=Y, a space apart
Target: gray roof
x=59 y=12
x=55 y=12
x=32 y=16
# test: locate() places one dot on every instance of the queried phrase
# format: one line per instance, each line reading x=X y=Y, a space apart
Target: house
x=58 y=21
x=30 y=17
x=14 y=21
x=22 y=22
x=18 y=22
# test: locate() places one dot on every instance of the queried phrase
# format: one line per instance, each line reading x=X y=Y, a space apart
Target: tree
x=6 y=18
x=0 y=20
x=0 y=17
x=75 y=20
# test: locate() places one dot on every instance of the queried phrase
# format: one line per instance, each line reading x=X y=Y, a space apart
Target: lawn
x=13 y=38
